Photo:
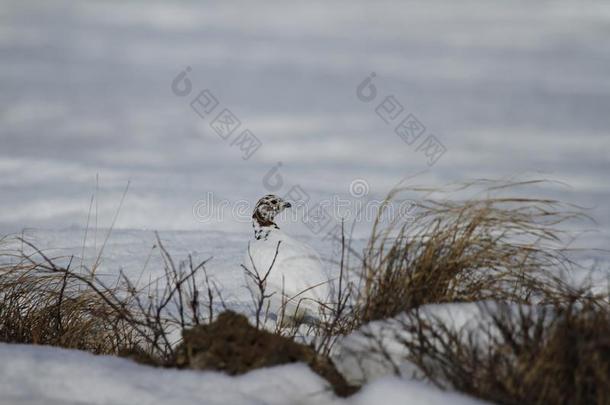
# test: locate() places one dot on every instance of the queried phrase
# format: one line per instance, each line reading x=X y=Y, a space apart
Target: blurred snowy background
x=509 y=88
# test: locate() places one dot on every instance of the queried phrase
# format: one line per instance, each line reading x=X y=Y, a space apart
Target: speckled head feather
x=264 y=214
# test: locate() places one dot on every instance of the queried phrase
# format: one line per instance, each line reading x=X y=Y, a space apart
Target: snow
x=376 y=349
x=395 y=391
x=31 y=374
x=47 y=375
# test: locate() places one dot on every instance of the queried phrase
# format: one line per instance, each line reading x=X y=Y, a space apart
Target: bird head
x=267 y=208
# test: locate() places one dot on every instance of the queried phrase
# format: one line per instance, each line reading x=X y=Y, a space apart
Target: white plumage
x=293 y=272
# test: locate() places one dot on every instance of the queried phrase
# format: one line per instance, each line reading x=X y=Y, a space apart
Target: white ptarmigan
x=295 y=278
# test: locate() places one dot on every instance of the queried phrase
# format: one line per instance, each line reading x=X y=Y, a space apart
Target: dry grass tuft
x=556 y=354
x=53 y=308
x=474 y=249
x=42 y=302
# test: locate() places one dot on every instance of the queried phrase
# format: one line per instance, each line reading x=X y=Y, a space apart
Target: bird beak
x=287 y=204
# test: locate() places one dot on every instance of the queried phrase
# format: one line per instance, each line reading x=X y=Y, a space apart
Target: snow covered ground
x=137 y=254
x=509 y=88
x=44 y=375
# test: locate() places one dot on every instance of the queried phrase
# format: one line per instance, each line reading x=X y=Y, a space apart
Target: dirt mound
x=232 y=345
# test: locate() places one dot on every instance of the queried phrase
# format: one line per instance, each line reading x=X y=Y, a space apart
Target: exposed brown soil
x=230 y=344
